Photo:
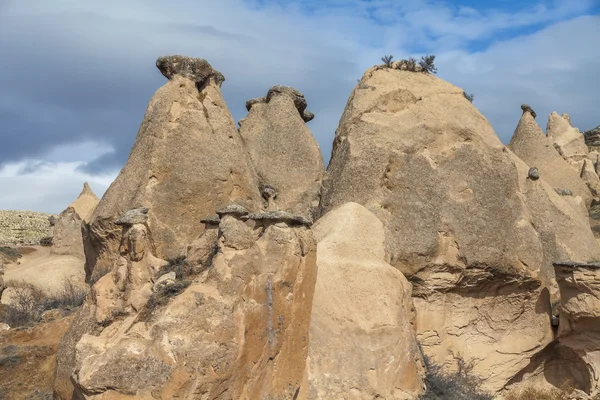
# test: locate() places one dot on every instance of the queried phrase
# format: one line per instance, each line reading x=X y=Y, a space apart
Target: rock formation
x=531 y=145
x=418 y=155
x=362 y=339
x=187 y=161
x=592 y=138
x=570 y=144
x=67 y=238
x=283 y=151
x=236 y=326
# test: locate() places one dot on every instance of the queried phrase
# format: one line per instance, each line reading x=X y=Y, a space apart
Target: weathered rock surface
x=592 y=138
x=570 y=144
x=67 y=239
x=283 y=150
x=362 y=339
x=531 y=145
x=568 y=141
x=237 y=328
x=578 y=344
x=23 y=227
x=418 y=155
x=188 y=160
x=28 y=359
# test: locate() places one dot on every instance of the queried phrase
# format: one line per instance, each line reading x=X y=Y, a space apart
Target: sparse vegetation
x=427 y=64
x=468 y=96
x=460 y=385
x=387 y=61
x=11 y=253
x=161 y=297
x=411 y=64
x=46 y=241
x=180 y=266
x=28 y=303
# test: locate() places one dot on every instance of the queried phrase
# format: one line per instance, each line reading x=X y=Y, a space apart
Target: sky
x=76 y=75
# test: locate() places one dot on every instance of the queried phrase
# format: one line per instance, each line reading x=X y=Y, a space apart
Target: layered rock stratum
x=23 y=227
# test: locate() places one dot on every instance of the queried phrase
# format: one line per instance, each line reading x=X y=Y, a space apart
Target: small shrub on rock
x=180 y=266
x=460 y=385
x=468 y=96
x=539 y=394
x=161 y=297
x=427 y=64
x=387 y=61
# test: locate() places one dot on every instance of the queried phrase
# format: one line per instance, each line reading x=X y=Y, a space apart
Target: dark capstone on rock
x=132 y=217
x=526 y=108
x=232 y=209
x=196 y=69
x=279 y=216
x=533 y=174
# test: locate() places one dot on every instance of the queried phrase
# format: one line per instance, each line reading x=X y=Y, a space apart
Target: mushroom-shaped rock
x=232 y=209
x=196 y=69
x=188 y=160
x=284 y=152
x=132 y=217
x=527 y=108
x=279 y=216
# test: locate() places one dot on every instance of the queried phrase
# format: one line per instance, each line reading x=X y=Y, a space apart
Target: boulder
x=235 y=327
x=415 y=152
x=362 y=339
x=537 y=150
x=283 y=151
x=187 y=161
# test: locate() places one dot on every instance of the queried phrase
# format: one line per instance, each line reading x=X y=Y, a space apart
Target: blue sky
x=76 y=75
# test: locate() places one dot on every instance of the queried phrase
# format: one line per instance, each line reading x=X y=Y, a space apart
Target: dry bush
x=11 y=253
x=468 y=96
x=427 y=64
x=46 y=241
x=161 y=297
x=460 y=385
x=29 y=303
x=71 y=295
x=180 y=266
x=26 y=306
x=387 y=61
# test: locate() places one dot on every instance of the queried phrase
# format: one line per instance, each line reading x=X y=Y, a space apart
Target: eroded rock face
x=283 y=150
x=362 y=339
x=237 y=327
x=536 y=149
x=578 y=345
x=67 y=238
x=417 y=154
x=187 y=161
x=570 y=144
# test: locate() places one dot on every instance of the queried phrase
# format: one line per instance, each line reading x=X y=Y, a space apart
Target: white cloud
x=50 y=188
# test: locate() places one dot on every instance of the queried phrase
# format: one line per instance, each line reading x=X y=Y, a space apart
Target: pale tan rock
x=239 y=330
x=531 y=145
x=283 y=150
x=188 y=160
x=417 y=154
x=578 y=347
x=569 y=142
x=362 y=341
x=67 y=236
x=4 y=326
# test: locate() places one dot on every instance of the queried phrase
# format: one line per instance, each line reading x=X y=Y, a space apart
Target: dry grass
x=540 y=394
